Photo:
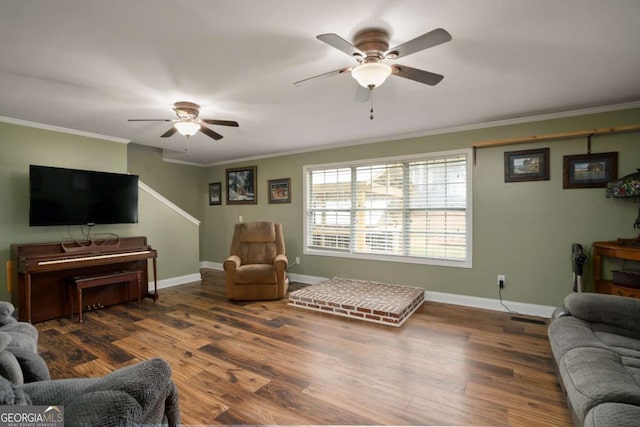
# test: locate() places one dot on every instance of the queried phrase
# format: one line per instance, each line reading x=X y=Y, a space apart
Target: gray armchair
x=140 y=394
x=19 y=359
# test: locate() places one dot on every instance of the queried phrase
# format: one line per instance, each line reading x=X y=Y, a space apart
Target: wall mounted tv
x=59 y=196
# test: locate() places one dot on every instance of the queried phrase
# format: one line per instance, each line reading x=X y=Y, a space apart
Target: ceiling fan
x=188 y=123
x=370 y=48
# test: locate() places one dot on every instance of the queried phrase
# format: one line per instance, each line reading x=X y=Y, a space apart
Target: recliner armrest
x=232 y=263
x=279 y=259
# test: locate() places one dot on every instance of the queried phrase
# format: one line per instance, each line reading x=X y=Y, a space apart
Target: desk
x=612 y=250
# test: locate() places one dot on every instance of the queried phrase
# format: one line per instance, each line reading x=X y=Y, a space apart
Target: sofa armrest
x=231 y=264
x=614 y=310
x=139 y=394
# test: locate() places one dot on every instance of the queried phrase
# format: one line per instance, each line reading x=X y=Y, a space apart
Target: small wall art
x=241 y=186
x=526 y=165
x=215 y=193
x=589 y=170
x=280 y=190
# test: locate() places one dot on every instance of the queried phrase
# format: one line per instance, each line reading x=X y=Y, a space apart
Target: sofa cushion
x=566 y=333
x=12 y=395
x=593 y=376
x=613 y=415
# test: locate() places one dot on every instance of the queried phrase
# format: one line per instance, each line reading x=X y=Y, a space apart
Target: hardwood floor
x=268 y=363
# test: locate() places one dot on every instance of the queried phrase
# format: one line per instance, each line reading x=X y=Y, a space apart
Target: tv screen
x=60 y=196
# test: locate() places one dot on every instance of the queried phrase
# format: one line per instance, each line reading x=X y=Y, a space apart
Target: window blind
x=413 y=207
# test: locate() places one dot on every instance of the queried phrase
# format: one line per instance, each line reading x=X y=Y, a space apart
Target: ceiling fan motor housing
x=373 y=42
x=186 y=110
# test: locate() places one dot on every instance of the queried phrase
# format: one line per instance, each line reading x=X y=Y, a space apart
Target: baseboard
x=175 y=281
x=211 y=265
x=490 y=304
x=446 y=298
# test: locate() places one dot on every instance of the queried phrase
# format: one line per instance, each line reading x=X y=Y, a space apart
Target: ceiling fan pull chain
x=371 y=100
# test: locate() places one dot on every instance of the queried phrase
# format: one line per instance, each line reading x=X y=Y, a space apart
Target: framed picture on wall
x=589 y=170
x=280 y=190
x=526 y=165
x=215 y=193
x=241 y=186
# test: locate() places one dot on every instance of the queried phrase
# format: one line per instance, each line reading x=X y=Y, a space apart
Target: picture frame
x=215 y=193
x=241 y=186
x=526 y=165
x=279 y=190
x=593 y=170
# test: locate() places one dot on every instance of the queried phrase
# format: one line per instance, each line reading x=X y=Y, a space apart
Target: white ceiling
x=90 y=65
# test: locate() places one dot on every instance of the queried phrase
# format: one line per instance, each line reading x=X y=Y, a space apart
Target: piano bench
x=79 y=283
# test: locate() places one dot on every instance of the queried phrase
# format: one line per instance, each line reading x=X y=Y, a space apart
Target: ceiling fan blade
x=221 y=122
x=362 y=94
x=210 y=133
x=417 y=75
x=324 y=76
x=168 y=133
x=341 y=44
x=149 y=120
x=430 y=39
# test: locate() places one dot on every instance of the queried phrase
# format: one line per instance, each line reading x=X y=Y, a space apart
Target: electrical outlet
x=297 y=260
x=501 y=280
x=240 y=218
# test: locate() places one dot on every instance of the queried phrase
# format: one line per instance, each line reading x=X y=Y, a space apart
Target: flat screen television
x=59 y=196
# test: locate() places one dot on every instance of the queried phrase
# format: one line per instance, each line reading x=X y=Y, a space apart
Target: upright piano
x=43 y=271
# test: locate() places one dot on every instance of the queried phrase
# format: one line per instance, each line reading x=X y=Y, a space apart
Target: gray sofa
x=595 y=341
x=136 y=395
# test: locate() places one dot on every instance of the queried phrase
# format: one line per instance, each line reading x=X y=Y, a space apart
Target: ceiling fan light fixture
x=187 y=128
x=371 y=74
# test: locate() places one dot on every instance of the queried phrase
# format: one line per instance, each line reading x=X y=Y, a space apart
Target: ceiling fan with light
x=370 y=48
x=188 y=123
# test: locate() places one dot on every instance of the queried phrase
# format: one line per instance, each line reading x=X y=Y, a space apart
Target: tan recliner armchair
x=257 y=266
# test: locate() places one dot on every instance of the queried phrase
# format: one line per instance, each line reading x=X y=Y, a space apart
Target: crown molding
x=453 y=129
x=60 y=129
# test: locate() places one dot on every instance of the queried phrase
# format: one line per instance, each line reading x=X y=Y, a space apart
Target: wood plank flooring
x=268 y=363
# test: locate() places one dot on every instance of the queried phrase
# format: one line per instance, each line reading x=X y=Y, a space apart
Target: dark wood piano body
x=43 y=271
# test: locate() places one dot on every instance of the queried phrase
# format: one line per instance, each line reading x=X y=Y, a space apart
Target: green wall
x=177 y=182
x=522 y=230
x=21 y=146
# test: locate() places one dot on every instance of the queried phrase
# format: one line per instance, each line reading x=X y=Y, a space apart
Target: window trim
x=467 y=263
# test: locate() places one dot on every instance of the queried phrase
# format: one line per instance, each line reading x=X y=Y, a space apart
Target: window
x=408 y=209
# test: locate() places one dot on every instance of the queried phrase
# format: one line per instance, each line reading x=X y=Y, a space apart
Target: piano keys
x=43 y=270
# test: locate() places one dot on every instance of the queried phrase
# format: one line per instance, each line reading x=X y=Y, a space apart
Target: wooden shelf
x=558 y=136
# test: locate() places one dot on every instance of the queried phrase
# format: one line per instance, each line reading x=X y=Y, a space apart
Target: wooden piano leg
x=155 y=280
x=70 y=295
x=79 y=304
x=138 y=286
x=28 y=296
